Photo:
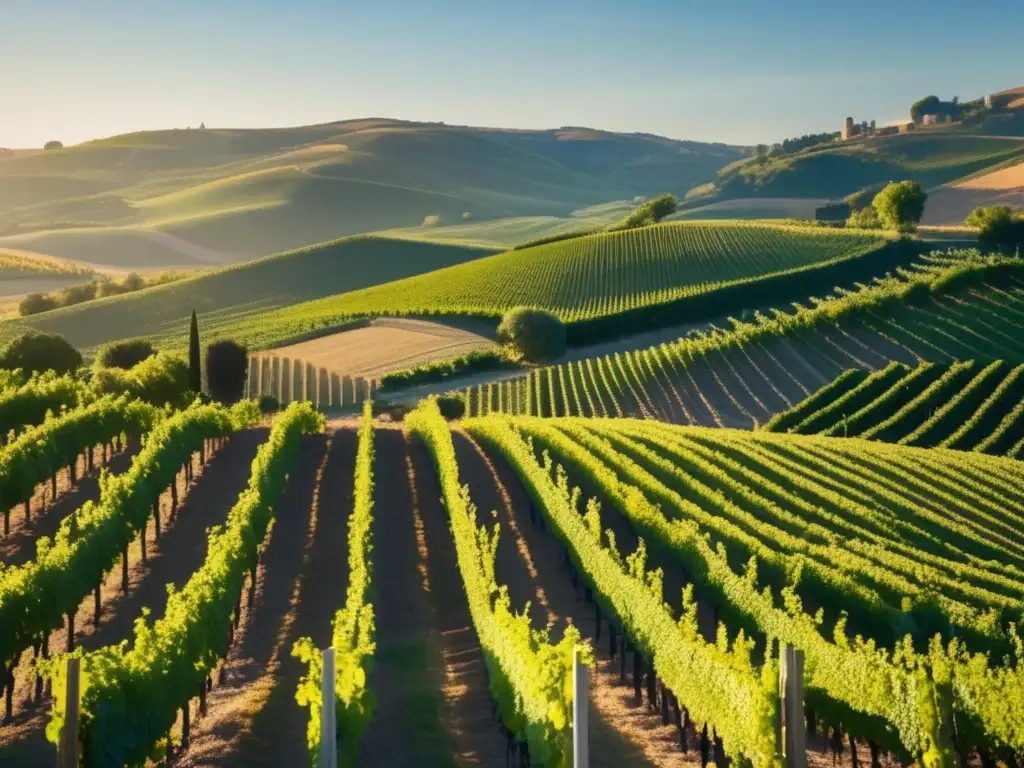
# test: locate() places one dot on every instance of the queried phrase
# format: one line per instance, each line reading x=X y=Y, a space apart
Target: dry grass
x=388 y=344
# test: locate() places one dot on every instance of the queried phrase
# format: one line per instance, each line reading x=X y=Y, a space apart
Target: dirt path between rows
x=433 y=706
x=179 y=552
x=622 y=732
x=253 y=718
x=47 y=513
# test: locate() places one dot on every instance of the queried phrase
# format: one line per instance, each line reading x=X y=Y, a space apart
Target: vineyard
x=591 y=277
x=945 y=308
x=675 y=560
x=964 y=406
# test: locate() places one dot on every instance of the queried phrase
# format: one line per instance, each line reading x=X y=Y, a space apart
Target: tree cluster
x=900 y=205
x=651 y=212
x=99 y=288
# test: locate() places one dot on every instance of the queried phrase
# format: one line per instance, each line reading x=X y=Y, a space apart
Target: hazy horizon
x=738 y=75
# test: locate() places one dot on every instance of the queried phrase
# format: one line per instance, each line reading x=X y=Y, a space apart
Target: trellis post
x=328 y=737
x=793 y=738
x=67 y=750
x=580 y=703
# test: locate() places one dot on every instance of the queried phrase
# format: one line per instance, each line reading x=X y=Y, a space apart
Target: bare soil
x=433 y=706
x=171 y=560
x=252 y=717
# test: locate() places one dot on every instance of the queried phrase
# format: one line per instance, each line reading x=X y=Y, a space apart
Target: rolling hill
x=246 y=291
x=251 y=193
x=835 y=170
x=948 y=308
x=590 y=281
x=951 y=204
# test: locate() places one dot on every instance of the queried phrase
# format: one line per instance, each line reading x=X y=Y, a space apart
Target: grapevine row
x=719 y=686
x=36 y=598
x=170 y=659
x=353 y=637
x=530 y=678
x=39 y=452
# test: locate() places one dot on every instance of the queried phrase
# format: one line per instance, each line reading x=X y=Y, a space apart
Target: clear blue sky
x=728 y=70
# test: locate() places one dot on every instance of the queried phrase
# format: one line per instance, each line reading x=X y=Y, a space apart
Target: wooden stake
x=96 y=608
x=580 y=711
x=791 y=694
x=71 y=632
x=185 y=714
x=67 y=749
x=124 y=570
x=328 y=723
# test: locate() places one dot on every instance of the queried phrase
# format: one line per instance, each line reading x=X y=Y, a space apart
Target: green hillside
x=255 y=192
x=950 y=307
x=589 y=278
x=243 y=293
x=965 y=406
x=932 y=158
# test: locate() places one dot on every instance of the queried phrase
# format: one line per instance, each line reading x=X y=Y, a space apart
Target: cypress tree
x=195 y=375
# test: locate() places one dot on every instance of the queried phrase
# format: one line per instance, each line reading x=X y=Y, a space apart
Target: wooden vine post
x=67 y=748
x=328 y=723
x=791 y=725
x=580 y=703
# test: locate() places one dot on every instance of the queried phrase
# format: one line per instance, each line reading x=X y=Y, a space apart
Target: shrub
x=533 y=335
x=161 y=380
x=227 y=366
x=126 y=354
x=269 y=404
x=53 y=145
x=36 y=352
x=999 y=228
x=865 y=218
x=651 y=212
x=76 y=294
x=34 y=303
x=900 y=205
x=451 y=407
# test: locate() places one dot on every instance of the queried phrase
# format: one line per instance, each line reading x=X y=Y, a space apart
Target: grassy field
x=966 y=406
x=256 y=192
x=20 y=266
x=244 y=293
x=949 y=308
x=586 y=278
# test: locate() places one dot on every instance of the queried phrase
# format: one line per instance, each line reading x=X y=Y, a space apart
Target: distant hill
x=250 y=290
x=932 y=157
x=247 y=193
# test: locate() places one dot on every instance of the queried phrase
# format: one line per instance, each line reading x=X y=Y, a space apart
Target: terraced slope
x=951 y=307
x=240 y=297
x=589 y=278
x=966 y=406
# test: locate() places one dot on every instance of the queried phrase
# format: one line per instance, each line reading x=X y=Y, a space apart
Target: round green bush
x=36 y=352
x=451 y=407
x=534 y=335
x=269 y=404
x=126 y=354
